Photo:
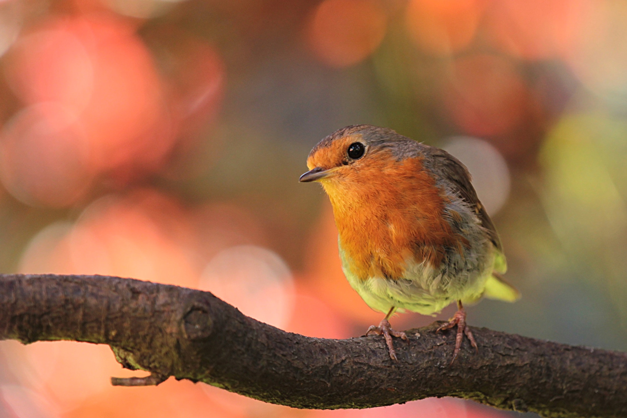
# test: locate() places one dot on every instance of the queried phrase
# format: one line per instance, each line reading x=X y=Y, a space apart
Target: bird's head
x=370 y=169
x=357 y=155
x=354 y=149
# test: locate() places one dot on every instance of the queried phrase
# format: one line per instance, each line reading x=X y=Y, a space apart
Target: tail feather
x=498 y=288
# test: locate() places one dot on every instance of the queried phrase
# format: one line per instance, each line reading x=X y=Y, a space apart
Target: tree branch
x=190 y=334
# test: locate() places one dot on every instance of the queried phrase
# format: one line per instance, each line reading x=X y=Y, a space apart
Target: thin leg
x=459 y=319
x=386 y=330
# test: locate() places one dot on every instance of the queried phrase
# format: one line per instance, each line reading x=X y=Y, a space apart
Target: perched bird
x=413 y=234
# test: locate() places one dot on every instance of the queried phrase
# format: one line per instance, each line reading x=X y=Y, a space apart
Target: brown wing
x=444 y=166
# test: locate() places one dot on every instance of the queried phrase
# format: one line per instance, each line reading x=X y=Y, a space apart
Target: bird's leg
x=459 y=319
x=386 y=330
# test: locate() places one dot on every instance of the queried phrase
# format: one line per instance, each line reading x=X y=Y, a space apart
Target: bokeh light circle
x=253 y=279
x=488 y=168
x=42 y=156
x=344 y=32
x=484 y=94
x=599 y=56
x=23 y=402
x=48 y=251
x=443 y=27
x=535 y=29
x=68 y=77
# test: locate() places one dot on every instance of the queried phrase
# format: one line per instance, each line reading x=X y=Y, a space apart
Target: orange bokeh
x=171 y=399
x=443 y=27
x=127 y=121
x=536 y=29
x=598 y=58
x=345 y=32
x=143 y=235
x=101 y=72
x=425 y=408
x=61 y=374
x=68 y=78
x=314 y=317
x=484 y=95
x=43 y=150
x=253 y=279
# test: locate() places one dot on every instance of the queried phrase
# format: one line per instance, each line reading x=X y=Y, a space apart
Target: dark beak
x=314 y=175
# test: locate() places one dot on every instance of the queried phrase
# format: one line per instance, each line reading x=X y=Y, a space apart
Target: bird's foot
x=386 y=330
x=459 y=319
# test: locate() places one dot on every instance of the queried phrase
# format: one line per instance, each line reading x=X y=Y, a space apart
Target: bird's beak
x=314 y=174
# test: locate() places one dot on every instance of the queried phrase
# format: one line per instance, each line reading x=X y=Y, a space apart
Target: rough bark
x=190 y=334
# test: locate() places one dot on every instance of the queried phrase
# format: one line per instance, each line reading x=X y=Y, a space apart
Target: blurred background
x=163 y=140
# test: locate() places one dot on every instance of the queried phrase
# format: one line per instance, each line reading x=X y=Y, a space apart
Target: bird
x=413 y=235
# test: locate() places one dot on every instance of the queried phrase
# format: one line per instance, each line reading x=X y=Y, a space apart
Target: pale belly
x=425 y=289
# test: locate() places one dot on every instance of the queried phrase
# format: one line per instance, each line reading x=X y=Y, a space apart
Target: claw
x=386 y=330
x=459 y=319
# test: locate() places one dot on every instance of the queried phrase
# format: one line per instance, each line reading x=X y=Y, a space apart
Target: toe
x=459 y=320
x=374 y=330
x=450 y=324
x=390 y=344
x=398 y=334
x=471 y=338
x=386 y=330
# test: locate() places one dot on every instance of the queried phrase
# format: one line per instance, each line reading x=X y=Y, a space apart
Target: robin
x=413 y=234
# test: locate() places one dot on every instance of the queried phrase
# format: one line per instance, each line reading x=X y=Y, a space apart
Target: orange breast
x=388 y=213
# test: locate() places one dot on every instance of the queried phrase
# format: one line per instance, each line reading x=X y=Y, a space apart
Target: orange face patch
x=333 y=155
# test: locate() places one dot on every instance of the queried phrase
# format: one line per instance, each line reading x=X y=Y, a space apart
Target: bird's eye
x=356 y=150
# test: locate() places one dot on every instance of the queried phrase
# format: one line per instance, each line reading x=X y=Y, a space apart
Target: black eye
x=356 y=150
